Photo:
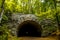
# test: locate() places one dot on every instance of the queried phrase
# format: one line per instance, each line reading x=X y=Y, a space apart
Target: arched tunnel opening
x=30 y=29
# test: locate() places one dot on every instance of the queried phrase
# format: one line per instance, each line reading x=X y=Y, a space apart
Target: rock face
x=18 y=19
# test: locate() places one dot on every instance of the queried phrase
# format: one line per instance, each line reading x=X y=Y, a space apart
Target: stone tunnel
x=29 y=28
x=25 y=25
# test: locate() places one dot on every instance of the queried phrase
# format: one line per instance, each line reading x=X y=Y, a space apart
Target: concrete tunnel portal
x=29 y=29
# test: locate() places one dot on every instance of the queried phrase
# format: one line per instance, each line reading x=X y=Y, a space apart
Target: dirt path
x=38 y=38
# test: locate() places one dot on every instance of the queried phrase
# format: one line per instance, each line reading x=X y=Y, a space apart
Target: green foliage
x=5 y=17
x=4 y=31
x=42 y=9
x=0 y=5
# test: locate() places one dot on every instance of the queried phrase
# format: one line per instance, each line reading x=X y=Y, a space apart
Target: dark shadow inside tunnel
x=30 y=29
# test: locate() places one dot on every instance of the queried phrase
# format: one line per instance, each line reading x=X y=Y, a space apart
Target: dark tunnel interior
x=28 y=29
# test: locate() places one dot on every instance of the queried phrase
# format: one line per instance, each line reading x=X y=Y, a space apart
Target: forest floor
x=53 y=37
x=36 y=38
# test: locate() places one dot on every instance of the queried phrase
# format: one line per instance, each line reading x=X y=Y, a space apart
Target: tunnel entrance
x=29 y=28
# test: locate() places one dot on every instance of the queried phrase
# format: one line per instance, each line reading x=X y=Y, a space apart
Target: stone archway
x=19 y=20
x=29 y=28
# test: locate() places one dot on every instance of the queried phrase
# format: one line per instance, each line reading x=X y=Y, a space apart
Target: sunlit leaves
x=0 y=5
x=40 y=8
x=25 y=0
x=10 y=5
x=18 y=8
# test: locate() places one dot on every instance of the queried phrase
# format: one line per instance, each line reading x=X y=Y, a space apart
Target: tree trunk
x=2 y=10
